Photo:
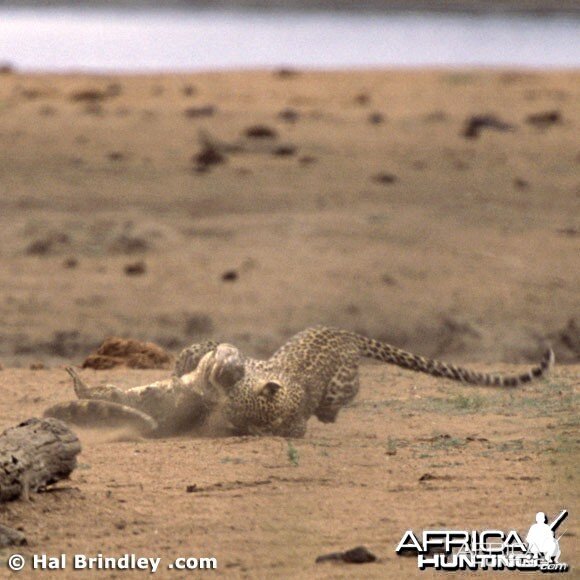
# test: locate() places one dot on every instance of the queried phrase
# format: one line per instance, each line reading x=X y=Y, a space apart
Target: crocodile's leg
x=103 y=393
x=190 y=357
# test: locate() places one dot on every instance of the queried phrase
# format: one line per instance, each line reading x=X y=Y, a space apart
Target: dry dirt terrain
x=436 y=210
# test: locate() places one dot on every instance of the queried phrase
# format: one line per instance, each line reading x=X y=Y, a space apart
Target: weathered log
x=35 y=454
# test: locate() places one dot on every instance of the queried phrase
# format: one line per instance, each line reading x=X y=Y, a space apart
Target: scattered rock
x=572 y=232
x=196 y=112
x=191 y=488
x=31 y=93
x=261 y=132
x=286 y=73
x=64 y=343
x=362 y=99
x=70 y=263
x=10 y=537
x=113 y=90
x=6 y=68
x=189 y=90
x=47 y=111
x=134 y=354
x=307 y=160
x=289 y=115
x=52 y=243
x=36 y=366
x=376 y=118
x=431 y=477
x=128 y=243
x=198 y=324
x=358 y=555
x=474 y=125
x=230 y=276
x=388 y=280
x=116 y=156
x=207 y=157
x=385 y=178
x=89 y=95
x=94 y=109
x=284 y=150
x=544 y=119
x=135 y=268
x=520 y=183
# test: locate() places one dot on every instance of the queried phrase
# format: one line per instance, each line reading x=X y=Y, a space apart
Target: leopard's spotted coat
x=314 y=373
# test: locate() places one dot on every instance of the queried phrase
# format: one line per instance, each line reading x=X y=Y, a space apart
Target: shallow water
x=106 y=40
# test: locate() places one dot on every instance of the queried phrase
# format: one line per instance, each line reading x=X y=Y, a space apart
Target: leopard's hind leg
x=341 y=390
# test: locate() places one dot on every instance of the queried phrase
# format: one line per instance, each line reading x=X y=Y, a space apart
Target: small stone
x=230 y=276
x=285 y=151
x=520 y=183
x=475 y=123
x=261 y=132
x=289 y=115
x=358 y=555
x=362 y=99
x=135 y=268
x=544 y=119
x=116 y=156
x=286 y=73
x=385 y=178
x=207 y=157
x=197 y=112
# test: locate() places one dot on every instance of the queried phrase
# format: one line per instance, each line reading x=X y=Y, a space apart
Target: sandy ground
x=367 y=208
x=412 y=452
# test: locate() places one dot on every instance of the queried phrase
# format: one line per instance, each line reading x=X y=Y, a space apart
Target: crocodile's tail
x=386 y=353
x=97 y=413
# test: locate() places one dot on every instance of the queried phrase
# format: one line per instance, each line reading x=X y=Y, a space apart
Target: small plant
x=466 y=403
x=292 y=454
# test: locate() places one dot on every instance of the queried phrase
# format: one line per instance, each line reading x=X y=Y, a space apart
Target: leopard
x=314 y=374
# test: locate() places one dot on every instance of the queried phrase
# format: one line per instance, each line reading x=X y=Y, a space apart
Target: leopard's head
x=261 y=404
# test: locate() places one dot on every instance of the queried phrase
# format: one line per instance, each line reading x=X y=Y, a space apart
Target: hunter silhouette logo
x=542 y=540
x=489 y=549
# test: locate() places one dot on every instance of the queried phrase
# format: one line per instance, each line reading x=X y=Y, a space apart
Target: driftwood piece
x=34 y=454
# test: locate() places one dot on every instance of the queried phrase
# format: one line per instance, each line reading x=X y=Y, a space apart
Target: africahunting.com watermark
x=488 y=549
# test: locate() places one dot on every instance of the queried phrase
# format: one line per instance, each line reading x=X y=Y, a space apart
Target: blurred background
x=153 y=36
x=241 y=170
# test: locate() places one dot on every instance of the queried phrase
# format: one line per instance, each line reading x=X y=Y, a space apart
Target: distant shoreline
x=475 y=7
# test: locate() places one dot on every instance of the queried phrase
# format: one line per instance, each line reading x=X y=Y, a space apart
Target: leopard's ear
x=270 y=389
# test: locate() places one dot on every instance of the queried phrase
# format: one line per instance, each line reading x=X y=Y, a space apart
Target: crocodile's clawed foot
x=228 y=366
x=82 y=391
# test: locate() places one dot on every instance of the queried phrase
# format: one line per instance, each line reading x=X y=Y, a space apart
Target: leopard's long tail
x=98 y=413
x=384 y=352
